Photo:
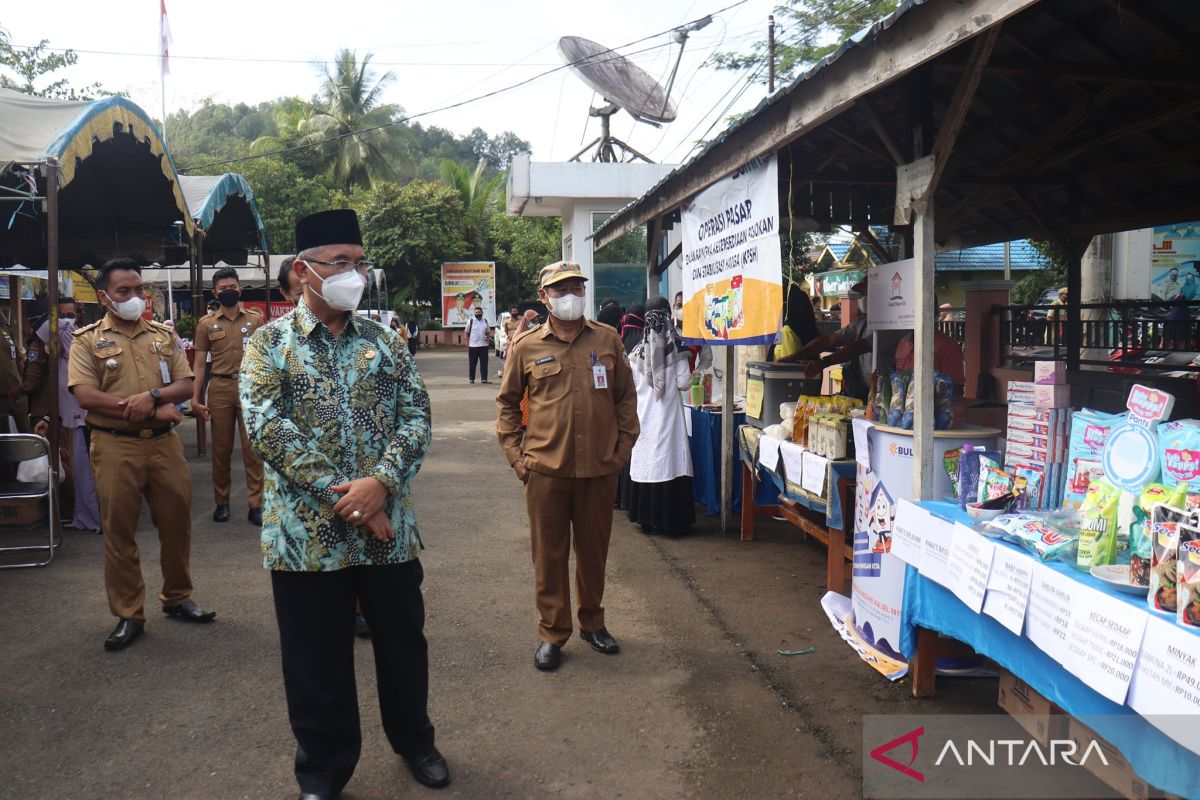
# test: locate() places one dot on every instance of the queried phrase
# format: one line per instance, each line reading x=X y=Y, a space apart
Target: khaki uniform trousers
x=126 y=469
x=565 y=512
x=226 y=417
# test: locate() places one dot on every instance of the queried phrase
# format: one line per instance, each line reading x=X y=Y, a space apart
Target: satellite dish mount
x=606 y=144
x=623 y=85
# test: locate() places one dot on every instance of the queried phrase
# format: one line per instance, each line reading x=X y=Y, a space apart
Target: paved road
x=698 y=704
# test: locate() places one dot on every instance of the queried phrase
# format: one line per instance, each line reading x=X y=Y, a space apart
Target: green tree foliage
x=1030 y=288
x=284 y=195
x=349 y=102
x=808 y=30
x=521 y=246
x=478 y=194
x=410 y=230
x=23 y=68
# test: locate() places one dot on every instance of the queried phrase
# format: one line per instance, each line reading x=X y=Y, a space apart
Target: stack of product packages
x=1039 y=418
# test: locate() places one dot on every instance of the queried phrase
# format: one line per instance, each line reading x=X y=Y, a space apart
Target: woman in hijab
x=611 y=315
x=659 y=493
x=632 y=325
x=799 y=323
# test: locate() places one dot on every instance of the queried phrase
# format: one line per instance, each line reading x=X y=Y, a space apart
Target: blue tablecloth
x=705 y=442
x=1154 y=756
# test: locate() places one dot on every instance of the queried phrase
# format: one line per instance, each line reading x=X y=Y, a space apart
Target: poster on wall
x=732 y=264
x=891 y=296
x=465 y=286
x=1174 y=259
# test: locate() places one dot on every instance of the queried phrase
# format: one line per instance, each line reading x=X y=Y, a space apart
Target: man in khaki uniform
x=582 y=426
x=12 y=393
x=224 y=333
x=128 y=374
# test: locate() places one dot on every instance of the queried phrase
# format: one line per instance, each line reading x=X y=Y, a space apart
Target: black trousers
x=315 y=612
x=478 y=355
x=412 y=346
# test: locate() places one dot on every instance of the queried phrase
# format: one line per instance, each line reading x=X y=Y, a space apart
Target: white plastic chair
x=15 y=448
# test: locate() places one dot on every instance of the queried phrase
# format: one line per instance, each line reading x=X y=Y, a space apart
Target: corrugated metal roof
x=1023 y=256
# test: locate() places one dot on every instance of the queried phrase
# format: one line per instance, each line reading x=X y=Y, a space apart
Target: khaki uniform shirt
x=510 y=327
x=11 y=389
x=576 y=430
x=122 y=365
x=226 y=338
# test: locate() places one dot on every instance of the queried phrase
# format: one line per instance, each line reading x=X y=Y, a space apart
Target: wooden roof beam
x=1171 y=74
x=960 y=103
x=1152 y=21
x=872 y=116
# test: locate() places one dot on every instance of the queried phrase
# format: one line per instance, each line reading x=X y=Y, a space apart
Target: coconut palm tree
x=478 y=195
x=345 y=119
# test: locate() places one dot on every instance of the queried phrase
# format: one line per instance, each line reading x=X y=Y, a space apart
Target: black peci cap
x=328 y=227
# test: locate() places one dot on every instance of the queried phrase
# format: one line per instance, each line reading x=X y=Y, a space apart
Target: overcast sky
x=441 y=53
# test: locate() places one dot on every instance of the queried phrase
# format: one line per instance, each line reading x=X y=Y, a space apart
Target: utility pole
x=771 y=54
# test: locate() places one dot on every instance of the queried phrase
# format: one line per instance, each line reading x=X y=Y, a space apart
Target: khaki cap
x=559 y=271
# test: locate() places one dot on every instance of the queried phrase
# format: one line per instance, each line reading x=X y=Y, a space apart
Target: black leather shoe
x=360 y=627
x=255 y=517
x=123 y=635
x=313 y=796
x=430 y=769
x=547 y=656
x=189 y=611
x=601 y=641
x=221 y=514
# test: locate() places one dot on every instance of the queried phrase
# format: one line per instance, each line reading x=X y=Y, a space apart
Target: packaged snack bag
x=1098 y=525
x=1164 y=540
x=943 y=401
x=1033 y=479
x=1188 y=608
x=993 y=482
x=950 y=464
x=971 y=463
x=1140 y=545
x=1089 y=430
x=1038 y=535
x=910 y=402
x=1180 y=447
x=896 y=399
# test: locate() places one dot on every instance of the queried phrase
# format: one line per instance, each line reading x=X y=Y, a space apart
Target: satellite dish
x=617 y=79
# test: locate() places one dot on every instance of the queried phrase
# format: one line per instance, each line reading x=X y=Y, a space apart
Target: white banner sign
x=732 y=267
x=891 y=296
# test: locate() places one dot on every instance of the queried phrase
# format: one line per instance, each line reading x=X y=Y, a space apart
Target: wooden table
x=838 y=552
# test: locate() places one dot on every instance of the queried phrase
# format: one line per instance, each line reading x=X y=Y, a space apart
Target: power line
x=459 y=104
x=247 y=59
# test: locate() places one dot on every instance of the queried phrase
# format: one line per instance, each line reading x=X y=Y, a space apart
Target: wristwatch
x=157 y=395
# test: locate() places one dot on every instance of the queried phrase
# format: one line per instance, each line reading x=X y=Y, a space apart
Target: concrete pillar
x=981 y=339
x=1096 y=279
x=924 y=248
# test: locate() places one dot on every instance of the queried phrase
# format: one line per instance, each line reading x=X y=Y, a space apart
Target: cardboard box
x=20 y=515
x=1040 y=718
x=1051 y=373
x=1039 y=395
x=1117 y=774
x=1050 y=416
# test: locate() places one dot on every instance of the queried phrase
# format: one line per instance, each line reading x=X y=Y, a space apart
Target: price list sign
x=1104 y=640
x=1166 y=684
x=1048 y=617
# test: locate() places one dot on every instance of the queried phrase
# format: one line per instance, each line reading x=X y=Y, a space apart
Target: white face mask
x=128 y=310
x=343 y=291
x=568 y=308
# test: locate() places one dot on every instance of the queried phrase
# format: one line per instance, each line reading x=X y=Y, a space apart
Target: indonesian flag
x=165 y=37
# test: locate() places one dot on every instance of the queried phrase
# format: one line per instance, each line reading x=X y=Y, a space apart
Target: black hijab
x=799 y=315
x=632 y=325
x=611 y=315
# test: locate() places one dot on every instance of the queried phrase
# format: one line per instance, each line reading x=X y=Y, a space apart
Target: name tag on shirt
x=165 y=370
x=543 y=360
x=599 y=376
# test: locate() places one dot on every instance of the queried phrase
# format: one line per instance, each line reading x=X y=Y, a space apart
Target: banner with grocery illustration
x=465 y=286
x=732 y=267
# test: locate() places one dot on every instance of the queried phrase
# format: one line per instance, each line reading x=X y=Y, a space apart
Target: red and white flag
x=165 y=37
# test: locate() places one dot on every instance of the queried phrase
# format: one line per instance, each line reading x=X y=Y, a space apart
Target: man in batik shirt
x=340 y=417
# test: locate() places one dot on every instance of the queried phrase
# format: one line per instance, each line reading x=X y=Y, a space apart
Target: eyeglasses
x=361 y=267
